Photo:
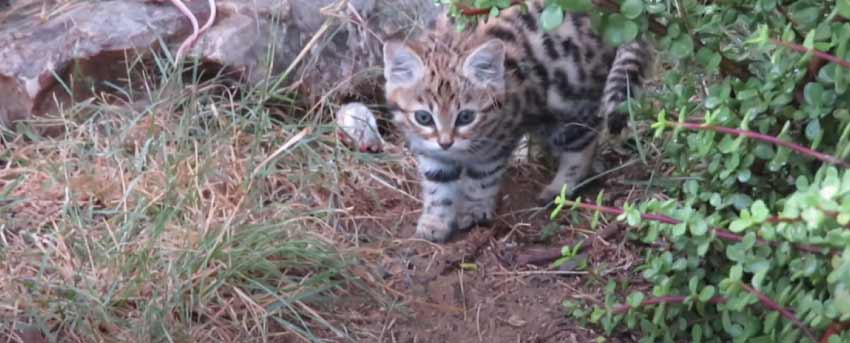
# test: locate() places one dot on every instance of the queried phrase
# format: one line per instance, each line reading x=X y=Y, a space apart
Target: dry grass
x=169 y=218
x=184 y=207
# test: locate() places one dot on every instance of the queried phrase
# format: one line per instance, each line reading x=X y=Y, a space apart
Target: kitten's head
x=442 y=91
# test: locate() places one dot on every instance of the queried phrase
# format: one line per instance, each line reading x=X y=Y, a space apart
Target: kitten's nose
x=446 y=145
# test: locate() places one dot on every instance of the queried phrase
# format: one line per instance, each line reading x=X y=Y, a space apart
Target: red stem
x=832 y=330
x=821 y=54
x=719 y=233
x=765 y=138
x=772 y=305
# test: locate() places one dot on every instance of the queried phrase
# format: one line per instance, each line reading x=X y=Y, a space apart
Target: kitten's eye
x=423 y=118
x=465 y=117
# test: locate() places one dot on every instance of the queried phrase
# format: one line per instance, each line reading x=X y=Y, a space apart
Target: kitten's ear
x=485 y=65
x=402 y=65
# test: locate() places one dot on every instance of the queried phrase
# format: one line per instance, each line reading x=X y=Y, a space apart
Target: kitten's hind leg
x=575 y=153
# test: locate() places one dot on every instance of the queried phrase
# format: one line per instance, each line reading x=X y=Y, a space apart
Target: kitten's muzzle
x=445 y=141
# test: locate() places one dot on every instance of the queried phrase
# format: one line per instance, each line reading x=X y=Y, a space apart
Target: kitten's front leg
x=442 y=199
x=481 y=189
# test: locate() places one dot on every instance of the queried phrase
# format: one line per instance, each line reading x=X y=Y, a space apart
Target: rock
x=358 y=128
x=307 y=16
x=242 y=35
x=90 y=42
x=32 y=51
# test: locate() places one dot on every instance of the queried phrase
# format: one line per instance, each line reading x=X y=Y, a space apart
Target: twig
x=192 y=19
x=764 y=138
x=540 y=255
x=307 y=48
x=799 y=48
x=540 y=272
x=478 y=323
x=195 y=31
x=772 y=305
x=467 y=251
x=291 y=142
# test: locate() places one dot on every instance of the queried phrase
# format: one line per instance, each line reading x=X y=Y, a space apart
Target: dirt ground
x=480 y=286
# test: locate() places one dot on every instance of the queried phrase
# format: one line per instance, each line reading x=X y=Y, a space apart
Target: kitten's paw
x=466 y=221
x=547 y=195
x=434 y=229
x=482 y=216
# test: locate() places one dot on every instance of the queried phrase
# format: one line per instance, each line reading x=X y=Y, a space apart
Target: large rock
x=92 y=41
x=33 y=52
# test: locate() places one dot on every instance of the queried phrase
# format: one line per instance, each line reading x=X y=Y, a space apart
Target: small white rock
x=358 y=127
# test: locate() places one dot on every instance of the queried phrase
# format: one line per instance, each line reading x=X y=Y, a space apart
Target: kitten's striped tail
x=625 y=77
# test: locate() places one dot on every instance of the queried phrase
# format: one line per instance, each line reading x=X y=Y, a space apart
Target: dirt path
x=472 y=289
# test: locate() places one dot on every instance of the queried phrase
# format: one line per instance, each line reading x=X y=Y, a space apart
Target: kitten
x=463 y=100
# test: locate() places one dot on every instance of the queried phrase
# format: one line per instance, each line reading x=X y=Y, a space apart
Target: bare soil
x=476 y=287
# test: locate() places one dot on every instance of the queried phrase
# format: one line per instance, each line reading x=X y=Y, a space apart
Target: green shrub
x=758 y=242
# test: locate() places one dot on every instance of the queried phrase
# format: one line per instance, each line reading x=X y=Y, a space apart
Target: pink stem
x=764 y=138
x=197 y=32
x=823 y=55
x=192 y=19
x=774 y=306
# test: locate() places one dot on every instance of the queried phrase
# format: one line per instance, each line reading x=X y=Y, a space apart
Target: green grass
x=155 y=220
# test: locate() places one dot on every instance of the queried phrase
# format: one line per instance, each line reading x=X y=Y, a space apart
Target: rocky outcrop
x=95 y=40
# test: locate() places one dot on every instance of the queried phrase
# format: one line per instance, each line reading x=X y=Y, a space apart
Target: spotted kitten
x=463 y=100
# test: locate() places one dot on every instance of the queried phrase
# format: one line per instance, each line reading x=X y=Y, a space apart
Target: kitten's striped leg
x=442 y=197
x=575 y=153
x=481 y=189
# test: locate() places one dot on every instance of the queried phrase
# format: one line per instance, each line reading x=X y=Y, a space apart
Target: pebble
x=358 y=128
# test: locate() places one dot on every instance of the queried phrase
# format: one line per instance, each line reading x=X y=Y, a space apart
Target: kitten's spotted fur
x=464 y=99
